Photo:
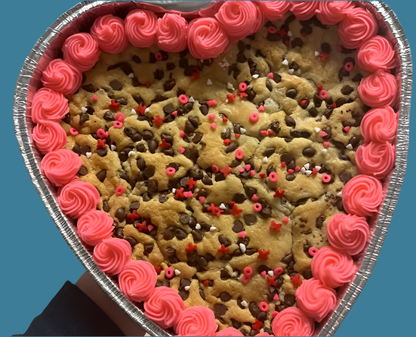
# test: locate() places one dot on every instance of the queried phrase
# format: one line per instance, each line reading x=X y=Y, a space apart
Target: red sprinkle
x=133 y=216
x=334 y=105
x=179 y=193
x=323 y=94
x=225 y=119
x=235 y=210
x=279 y=194
x=212 y=102
x=227 y=141
x=215 y=210
x=262 y=175
x=242 y=86
x=215 y=168
x=242 y=94
x=324 y=56
x=304 y=103
x=257 y=326
x=141 y=227
x=271 y=281
x=275 y=226
x=206 y=283
x=113 y=105
x=158 y=270
x=165 y=144
x=101 y=143
x=226 y=171
x=320 y=87
x=191 y=183
x=314 y=171
x=141 y=109
x=231 y=98
x=283 y=164
x=120 y=117
x=237 y=135
x=263 y=254
x=223 y=250
x=270 y=133
x=191 y=247
x=296 y=281
x=239 y=154
x=147 y=84
x=158 y=121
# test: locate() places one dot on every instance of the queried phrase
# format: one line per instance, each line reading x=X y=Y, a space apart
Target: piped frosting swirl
x=379 y=125
x=49 y=105
x=273 y=10
x=357 y=27
x=111 y=255
x=61 y=77
x=375 y=54
x=362 y=195
x=206 y=38
x=141 y=25
x=60 y=166
x=81 y=51
x=332 y=12
x=108 y=30
x=332 y=267
x=304 y=10
x=230 y=331
x=376 y=159
x=237 y=19
x=378 y=89
x=77 y=198
x=292 y=322
x=95 y=226
x=172 y=32
x=137 y=280
x=347 y=233
x=315 y=299
x=164 y=307
x=49 y=136
x=196 y=321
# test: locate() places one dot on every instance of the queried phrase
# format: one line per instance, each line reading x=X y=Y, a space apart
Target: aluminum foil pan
x=79 y=18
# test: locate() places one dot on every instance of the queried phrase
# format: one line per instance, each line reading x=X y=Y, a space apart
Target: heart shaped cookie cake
x=222 y=169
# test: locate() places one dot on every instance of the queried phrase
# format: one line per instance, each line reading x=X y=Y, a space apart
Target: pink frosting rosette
x=237 y=19
x=379 y=125
x=315 y=299
x=94 y=227
x=229 y=332
x=108 y=30
x=333 y=267
x=62 y=77
x=273 y=10
x=348 y=233
x=332 y=12
x=137 y=280
x=81 y=51
x=49 y=136
x=141 y=27
x=61 y=166
x=171 y=33
x=376 y=159
x=292 y=322
x=263 y=334
x=260 y=20
x=49 y=105
x=378 y=89
x=375 y=54
x=77 y=198
x=357 y=27
x=304 y=10
x=164 y=307
x=111 y=255
x=362 y=195
x=196 y=321
x=206 y=38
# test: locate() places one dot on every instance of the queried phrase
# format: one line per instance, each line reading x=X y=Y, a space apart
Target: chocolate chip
x=102 y=152
x=231 y=147
x=289 y=299
x=204 y=109
x=223 y=240
x=116 y=85
x=251 y=94
x=224 y=275
x=83 y=171
x=343 y=73
x=235 y=324
x=131 y=240
x=106 y=207
x=149 y=172
x=238 y=226
x=298 y=42
x=120 y=214
x=340 y=101
x=354 y=141
x=290 y=121
x=83 y=118
x=328 y=113
x=320 y=222
x=346 y=90
x=147 y=135
x=357 y=78
x=184 y=219
x=288 y=258
x=250 y=219
x=220 y=309
x=250 y=191
x=239 y=198
x=326 y=48
x=307 y=274
x=101 y=175
x=152 y=186
x=197 y=235
x=294 y=66
x=241 y=57
x=309 y=152
x=239 y=300
x=275 y=127
x=197 y=138
x=225 y=297
x=262 y=316
x=345 y=176
x=88 y=88
x=254 y=308
x=180 y=234
x=207 y=180
x=306 y=30
x=152 y=146
x=109 y=116
x=202 y=262
x=169 y=234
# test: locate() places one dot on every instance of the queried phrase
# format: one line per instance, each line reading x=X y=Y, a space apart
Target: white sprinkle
x=191 y=99
x=265 y=160
x=349 y=147
x=256 y=76
x=303 y=170
x=230 y=86
x=324 y=151
x=306 y=166
x=113 y=147
x=84 y=109
x=243 y=131
x=226 y=101
x=213 y=228
x=289 y=33
x=173 y=190
x=133 y=112
x=285 y=62
x=187 y=288
x=308 y=172
x=244 y=303
x=290 y=71
x=317 y=53
x=222 y=206
x=209 y=82
x=317 y=130
x=177 y=272
x=339 y=194
x=235 y=273
x=131 y=75
x=318 y=168
x=198 y=226
x=146 y=110
x=132 y=153
x=88 y=154
x=242 y=248
x=270 y=272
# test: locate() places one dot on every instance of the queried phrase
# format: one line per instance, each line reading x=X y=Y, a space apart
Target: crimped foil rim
x=31 y=159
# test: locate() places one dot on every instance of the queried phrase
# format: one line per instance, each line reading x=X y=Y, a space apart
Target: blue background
x=37 y=261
